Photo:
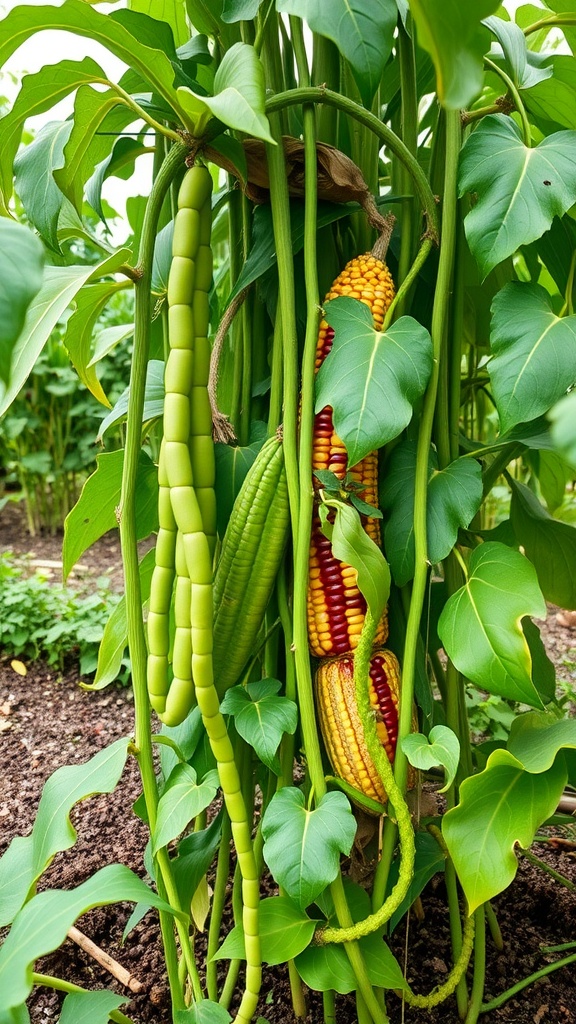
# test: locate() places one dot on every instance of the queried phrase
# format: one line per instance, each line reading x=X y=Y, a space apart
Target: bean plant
x=285 y=140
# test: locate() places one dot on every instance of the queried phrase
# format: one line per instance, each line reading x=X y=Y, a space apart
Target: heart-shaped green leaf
x=363 y=31
x=454 y=497
x=481 y=624
x=534 y=353
x=261 y=717
x=518 y=190
x=183 y=797
x=302 y=847
x=549 y=544
x=440 y=747
x=501 y=806
x=203 y=1012
x=284 y=932
x=371 y=379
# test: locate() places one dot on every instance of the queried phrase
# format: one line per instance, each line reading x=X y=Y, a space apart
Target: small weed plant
x=40 y=619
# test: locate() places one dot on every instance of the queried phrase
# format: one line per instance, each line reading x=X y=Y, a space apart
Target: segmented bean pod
x=336 y=608
x=187 y=453
x=161 y=588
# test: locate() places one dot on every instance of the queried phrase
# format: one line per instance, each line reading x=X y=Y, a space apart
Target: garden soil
x=47 y=721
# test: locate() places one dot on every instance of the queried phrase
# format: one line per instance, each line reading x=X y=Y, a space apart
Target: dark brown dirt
x=47 y=721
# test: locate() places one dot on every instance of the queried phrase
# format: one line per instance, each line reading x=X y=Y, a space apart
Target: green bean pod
x=252 y=550
x=158 y=624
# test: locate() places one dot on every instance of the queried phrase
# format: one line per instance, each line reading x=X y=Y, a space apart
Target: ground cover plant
x=326 y=580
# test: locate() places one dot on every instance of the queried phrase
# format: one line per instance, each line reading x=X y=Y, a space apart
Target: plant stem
x=329 y=1006
x=526 y=131
x=547 y=869
x=218 y=901
x=494 y=927
x=505 y=996
x=68 y=986
x=479 y=979
x=382 y=131
x=551 y=22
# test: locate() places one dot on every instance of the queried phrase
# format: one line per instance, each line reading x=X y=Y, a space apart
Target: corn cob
x=340 y=722
x=336 y=608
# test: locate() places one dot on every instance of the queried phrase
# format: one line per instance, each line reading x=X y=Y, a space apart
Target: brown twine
x=222 y=429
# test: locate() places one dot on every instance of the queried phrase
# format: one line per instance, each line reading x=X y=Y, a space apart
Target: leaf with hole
x=519 y=190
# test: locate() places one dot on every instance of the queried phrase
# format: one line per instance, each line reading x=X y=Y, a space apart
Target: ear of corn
x=336 y=608
x=340 y=722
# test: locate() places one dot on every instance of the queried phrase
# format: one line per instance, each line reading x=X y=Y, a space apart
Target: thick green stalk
x=127 y=523
x=526 y=130
x=382 y=131
x=409 y=127
x=479 y=978
x=218 y=902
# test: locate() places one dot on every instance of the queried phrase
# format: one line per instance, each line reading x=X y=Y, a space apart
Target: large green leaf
x=351 y=544
x=183 y=797
x=456 y=40
x=35 y=184
x=261 y=717
x=481 y=624
x=239 y=10
x=518 y=190
x=173 y=12
x=555 y=99
x=78 y=17
x=549 y=544
x=371 y=379
x=302 y=847
x=284 y=930
x=513 y=41
x=537 y=737
x=502 y=806
x=563 y=417
x=363 y=31
x=39 y=93
x=90 y=1007
x=239 y=95
x=21 y=266
x=534 y=353
x=26 y=858
x=42 y=925
x=60 y=285
x=454 y=497
x=203 y=1012
x=96 y=510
